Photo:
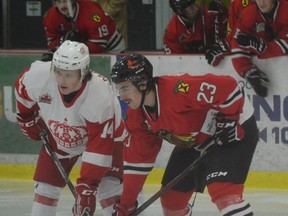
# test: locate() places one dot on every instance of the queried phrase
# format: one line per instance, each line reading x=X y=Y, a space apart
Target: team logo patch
x=180 y=141
x=68 y=136
x=82 y=50
x=95 y=17
x=132 y=64
x=45 y=98
x=245 y=3
x=182 y=38
x=181 y=87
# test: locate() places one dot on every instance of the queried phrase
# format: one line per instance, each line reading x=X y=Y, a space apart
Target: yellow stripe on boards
x=271 y=180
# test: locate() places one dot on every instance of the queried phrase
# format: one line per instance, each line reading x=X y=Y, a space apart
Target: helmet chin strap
x=143 y=98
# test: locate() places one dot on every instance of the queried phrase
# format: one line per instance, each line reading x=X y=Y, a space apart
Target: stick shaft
x=71 y=15
x=172 y=183
x=57 y=162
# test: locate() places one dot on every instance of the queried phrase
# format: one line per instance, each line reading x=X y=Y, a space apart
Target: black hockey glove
x=228 y=130
x=73 y=36
x=217 y=52
x=258 y=80
x=49 y=55
x=217 y=8
x=252 y=43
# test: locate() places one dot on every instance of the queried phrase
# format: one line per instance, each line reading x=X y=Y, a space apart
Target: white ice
x=16 y=197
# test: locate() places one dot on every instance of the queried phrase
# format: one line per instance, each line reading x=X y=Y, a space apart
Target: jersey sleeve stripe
x=138 y=168
x=233 y=97
x=97 y=159
x=283 y=45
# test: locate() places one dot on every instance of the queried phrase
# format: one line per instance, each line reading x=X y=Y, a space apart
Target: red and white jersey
x=84 y=126
x=180 y=38
x=97 y=28
x=273 y=30
x=235 y=8
x=185 y=116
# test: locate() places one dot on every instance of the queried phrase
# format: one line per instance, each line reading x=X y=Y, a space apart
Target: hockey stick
x=210 y=144
x=71 y=15
x=204 y=25
x=57 y=162
x=46 y=143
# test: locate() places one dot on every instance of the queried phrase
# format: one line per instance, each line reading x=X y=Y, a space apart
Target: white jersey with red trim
x=94 y=108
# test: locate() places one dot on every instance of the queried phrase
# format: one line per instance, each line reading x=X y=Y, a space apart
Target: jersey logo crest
x=181 y=87
x=180 y=141
x=45 y=98
x=68 y=136
x=96 y=17
x=245 y=3
x=133 y=64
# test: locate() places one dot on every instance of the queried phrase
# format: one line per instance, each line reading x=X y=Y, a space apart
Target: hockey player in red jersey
x=235 y=8
x=262 y=30
x=222 y=48
x=186 y=111
x=184 y=33
x=89 y=24
x=79 y=112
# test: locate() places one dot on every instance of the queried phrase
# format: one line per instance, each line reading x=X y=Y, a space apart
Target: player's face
x=190 y=12
x=265 y=6
x=68 y=81
x=62 y=6
x=129 y=94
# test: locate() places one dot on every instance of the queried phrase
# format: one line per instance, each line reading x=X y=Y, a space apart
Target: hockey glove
x=124 y=210
x=217 y=7
x=73 y=36
x=228 y=130
x=85 y=200
x=31 y=125
x=48 y=56
x=258 y=80
x=252 y=43
x=217 y=52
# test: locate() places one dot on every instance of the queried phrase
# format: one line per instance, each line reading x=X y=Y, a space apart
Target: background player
x=262 y=30
x=89 y=24
x=186 y=32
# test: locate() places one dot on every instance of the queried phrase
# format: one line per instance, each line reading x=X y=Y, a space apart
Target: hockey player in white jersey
x=81 y=116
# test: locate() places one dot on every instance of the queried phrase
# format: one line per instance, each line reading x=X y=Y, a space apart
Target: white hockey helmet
x=72 y=55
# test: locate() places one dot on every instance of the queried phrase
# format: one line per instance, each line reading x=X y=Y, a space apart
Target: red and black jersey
x=184 y=116
x=180 y=38
x=96 y=28
x=272 y=29
x=235 y=8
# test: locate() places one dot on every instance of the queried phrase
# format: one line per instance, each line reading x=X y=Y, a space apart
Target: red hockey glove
x=124 y=210
x=85 y=200
x=252 y=43
x=31 y=125
x=228 y=130
x=217 y=52
x=258 y=80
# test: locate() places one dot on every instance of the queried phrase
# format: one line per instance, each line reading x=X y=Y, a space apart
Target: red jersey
x=273 y=30
x=184 y=116
x=235 y=9
x=180 y=38
x=97 y=29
